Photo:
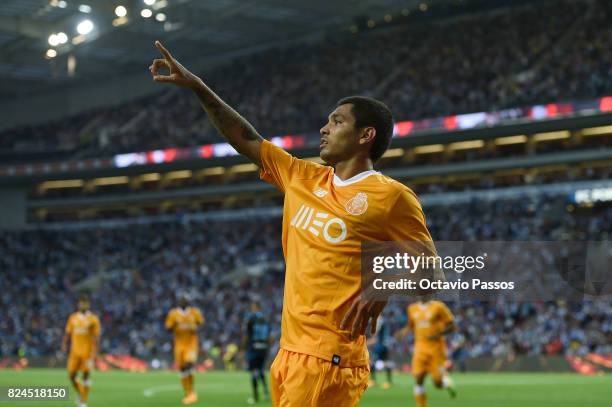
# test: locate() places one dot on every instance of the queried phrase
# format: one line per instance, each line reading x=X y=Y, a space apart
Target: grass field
x=221 y=389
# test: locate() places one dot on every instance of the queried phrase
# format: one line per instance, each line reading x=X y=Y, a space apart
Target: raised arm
x=235 y=128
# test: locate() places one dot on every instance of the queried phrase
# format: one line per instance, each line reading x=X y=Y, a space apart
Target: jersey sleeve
x=69 y=325
x=407 y=227
x=198 y=316
x=279 y=168
x=96 y=328
x=170 y=320
x=406 y=220
x=446 y=316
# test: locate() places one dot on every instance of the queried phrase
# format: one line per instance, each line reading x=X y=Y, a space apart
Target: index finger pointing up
x=163 y=50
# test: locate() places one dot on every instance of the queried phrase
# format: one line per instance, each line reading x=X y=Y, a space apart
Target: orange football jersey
x=427 y=319
x=184 y=323
x=325 y=219
x=83 y=328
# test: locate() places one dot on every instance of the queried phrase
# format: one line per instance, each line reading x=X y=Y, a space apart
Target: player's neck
x=353 y=166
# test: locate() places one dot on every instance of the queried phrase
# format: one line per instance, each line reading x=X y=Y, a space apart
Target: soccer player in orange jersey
x=430 y=321
x=184 y=321
x=83 y=333
x=329 y=211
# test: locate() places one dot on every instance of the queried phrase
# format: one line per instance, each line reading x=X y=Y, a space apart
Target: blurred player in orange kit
x=430 y=321
x=184 y=321
x=329 y=210
x=83 y=333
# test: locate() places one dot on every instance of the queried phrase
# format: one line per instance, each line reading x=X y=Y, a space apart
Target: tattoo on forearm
x=249 y=133
x=227 y=120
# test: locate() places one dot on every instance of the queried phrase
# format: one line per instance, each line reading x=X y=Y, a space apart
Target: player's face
x=339 y=137
x=83 y=305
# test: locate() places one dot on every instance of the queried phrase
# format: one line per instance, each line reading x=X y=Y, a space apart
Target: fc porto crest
x=358 y=204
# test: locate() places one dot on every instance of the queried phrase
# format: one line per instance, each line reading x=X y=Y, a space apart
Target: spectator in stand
x=133 y=273
x=509 y=57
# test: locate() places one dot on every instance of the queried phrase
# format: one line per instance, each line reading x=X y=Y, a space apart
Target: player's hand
x=178 y=75
x=362 y=312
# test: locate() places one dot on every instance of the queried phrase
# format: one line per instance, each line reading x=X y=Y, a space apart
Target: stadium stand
x=144 y=268
x=563 y=57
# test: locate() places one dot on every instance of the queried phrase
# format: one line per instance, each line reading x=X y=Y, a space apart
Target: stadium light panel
x=317 y=159
x=120 y=11
x=467 y=145
x=111 y=180
x=62 y=38
x=213 y=171
x=120 y=21
x=64 y=183
x=597 y=131
x=153 y=176
x=51 y=53
x=160 y=4
x=161 y=17
x=504 y=141
x=53 y=40
x=78 y=39
x=553 y=135
x=244 y=168
x=148 y=2
x=85 y=27
x=146 y=13
x=178 y=174
x=432 y=148
x=84 y=8
x=62 y=4
x=393 y=152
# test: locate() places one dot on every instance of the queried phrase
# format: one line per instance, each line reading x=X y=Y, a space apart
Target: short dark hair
x=371 y=112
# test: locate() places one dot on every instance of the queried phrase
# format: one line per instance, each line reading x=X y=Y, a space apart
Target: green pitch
x=220 y=389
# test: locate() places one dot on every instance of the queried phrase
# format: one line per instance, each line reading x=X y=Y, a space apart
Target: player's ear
x=367 y=135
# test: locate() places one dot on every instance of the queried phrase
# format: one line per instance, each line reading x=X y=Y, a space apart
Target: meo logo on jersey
x=318 y=222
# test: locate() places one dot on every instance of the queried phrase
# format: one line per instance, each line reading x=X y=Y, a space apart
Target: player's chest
x=82 y=326
x=185 y=321
x=424 y=318
x=322 y=213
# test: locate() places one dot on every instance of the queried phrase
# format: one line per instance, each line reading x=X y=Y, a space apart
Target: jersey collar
x=355 y=178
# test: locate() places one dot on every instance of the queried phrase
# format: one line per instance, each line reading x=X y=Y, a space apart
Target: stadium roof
x=192 y=28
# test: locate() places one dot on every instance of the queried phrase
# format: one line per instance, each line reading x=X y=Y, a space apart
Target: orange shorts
x=300 y=380
x=80 y=363
x=429 y=361
x=184 y=355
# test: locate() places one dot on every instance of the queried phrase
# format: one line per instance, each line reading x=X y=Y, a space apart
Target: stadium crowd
x=479 y=62
x=135 y=272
